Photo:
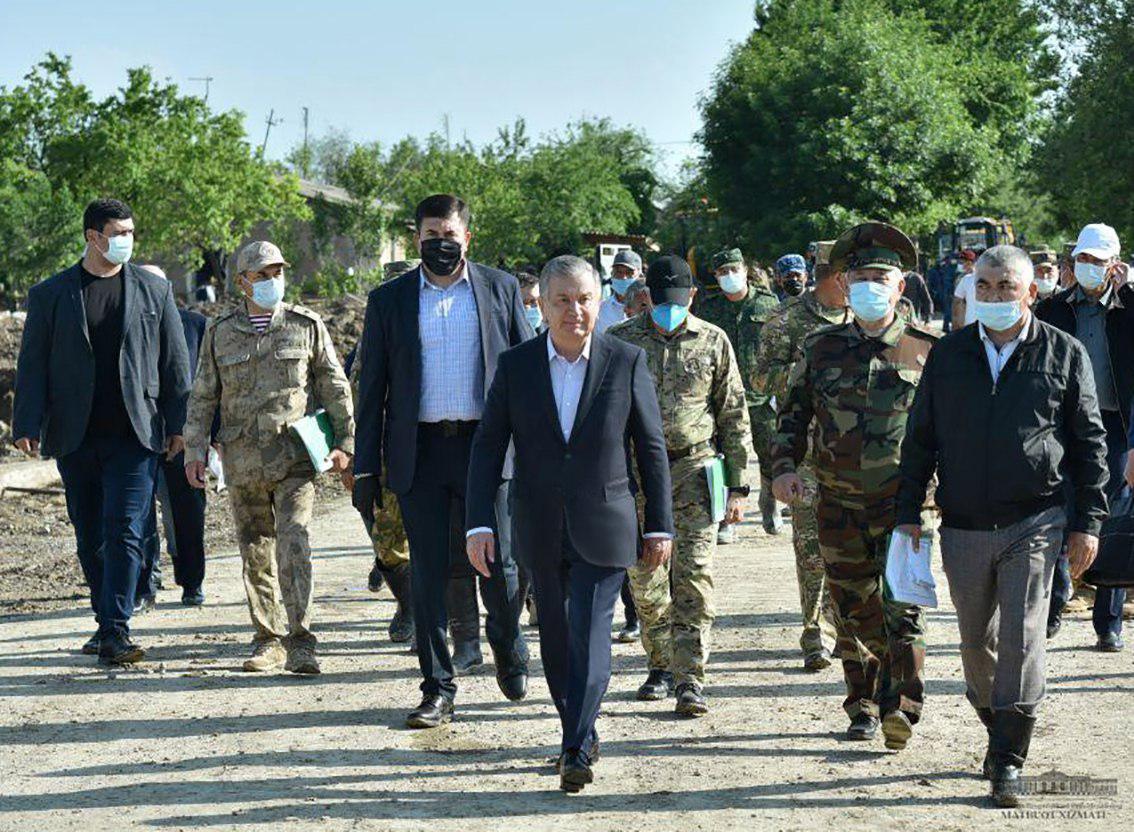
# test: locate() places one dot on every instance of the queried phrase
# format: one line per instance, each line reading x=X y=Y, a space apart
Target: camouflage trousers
x=814 y=596
x=388 y=534
x=271 y=528
x=675 y=601
x=881 y=641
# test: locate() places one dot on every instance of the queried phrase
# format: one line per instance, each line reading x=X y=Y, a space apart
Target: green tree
x=191 y=176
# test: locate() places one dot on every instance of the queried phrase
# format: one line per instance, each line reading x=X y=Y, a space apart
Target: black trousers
x=576 y=602
x=438 y=489
x=187 y=506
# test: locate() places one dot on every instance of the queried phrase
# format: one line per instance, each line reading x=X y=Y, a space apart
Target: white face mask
x=732 y=282
x=1046 y=285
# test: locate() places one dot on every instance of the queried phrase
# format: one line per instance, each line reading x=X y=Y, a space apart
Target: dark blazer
x=389 y=380
x=1059 y=311
x=585 y=482
x=55 y=373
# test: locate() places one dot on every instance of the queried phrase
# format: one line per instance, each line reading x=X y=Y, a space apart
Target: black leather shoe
x=575 y=772
x=466 y=655
x=1054 y=624
x=434 y=710
x=863 y=727
x=630 y=633
x=690 y=701
x=117 y=649
x=513 y=681
x=1110 y=643
x=91 y=646
x=193 y=598
x=658 y=686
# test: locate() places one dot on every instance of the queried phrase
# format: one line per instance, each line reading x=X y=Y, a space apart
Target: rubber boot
x=464 y=623
x=402 y=624
x=1011 y=737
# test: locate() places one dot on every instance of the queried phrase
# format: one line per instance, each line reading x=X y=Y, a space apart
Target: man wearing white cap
x=1099 y=312
x=624 y=273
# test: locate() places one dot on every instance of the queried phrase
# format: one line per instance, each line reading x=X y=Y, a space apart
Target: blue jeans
x=110 y=491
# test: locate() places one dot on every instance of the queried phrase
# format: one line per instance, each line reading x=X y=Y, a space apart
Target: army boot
x=301 y=659
x=464 y=623
x=402 y=624
x=266 y=656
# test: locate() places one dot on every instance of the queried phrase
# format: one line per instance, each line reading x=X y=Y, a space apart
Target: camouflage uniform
x=742 y=321
x=781 y=346
x=703 y=409
x=857 y=390
x=263 y=382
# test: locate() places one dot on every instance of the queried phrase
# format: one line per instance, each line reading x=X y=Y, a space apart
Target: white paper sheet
x=907 y=571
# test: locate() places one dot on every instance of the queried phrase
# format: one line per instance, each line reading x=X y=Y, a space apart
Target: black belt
x=449 y=427
x=681 y=453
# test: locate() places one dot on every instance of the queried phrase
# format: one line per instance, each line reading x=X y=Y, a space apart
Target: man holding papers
x=263 y=364
x=849 y=396
x=704 y=413
x=1006 y=415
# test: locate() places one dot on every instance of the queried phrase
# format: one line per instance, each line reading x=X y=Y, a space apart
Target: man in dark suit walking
x=428 y=352
x=101 y=385
x=571 y=401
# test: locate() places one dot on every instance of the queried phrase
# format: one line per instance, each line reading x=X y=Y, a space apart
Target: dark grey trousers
x=1000 y=582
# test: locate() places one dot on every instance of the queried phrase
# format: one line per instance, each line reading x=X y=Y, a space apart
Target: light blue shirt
x=452 y=361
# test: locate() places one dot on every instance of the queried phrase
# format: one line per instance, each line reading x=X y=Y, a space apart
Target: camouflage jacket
x=742 y=321
x=858 y=390
x=699 y=390
x=781 y=342
x=262 y=383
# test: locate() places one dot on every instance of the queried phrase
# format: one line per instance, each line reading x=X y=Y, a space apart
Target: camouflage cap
x=398 y=268
x=823 y=252
x=873 y=245
x=1043 y=255
x=258 y=255
x=728 y=257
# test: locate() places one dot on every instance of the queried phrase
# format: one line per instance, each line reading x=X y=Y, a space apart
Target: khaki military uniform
x=781 y=347
x=262 y=382
x=703 y=409
x=856 y=391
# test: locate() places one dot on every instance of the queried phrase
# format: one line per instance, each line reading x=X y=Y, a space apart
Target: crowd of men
x=558 y=450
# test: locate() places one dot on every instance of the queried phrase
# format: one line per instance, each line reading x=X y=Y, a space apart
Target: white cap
x=1098 y=240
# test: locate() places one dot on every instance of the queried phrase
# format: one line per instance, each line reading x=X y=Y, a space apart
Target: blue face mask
x=998 y=316
x=1090 y=275
x=119 y=248
x=621 y=284
x=268 y=293
x=870 y=301
x=534 y=316
x=669 y=316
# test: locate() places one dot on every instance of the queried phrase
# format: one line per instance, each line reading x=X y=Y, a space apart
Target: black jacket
x=55 y=373
x=1001 y=451
x=389 y=378
x=584 y=482
x=1059 y=311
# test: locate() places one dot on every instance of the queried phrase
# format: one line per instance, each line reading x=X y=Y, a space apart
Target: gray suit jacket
x=55 y=373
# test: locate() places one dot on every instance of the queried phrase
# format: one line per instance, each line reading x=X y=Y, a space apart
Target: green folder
x=317 y=436
x=718 y=491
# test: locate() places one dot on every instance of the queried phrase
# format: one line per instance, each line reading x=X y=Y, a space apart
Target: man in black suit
x=101 y=385
x=571 y=401
x=428 y=352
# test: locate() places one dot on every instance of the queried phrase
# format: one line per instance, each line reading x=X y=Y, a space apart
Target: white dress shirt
x=452 y=361
x=998 y=356
x=611 y=312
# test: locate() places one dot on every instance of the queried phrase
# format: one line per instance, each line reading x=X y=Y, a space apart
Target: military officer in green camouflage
x=263 y=363
x=703 y=411
x=741 y=309
x=855 y=386
x=781 y=346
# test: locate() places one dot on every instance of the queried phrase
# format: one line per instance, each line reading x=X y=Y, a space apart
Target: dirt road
x=189 y=742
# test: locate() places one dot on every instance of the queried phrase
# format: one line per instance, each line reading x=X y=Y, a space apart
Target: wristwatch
x=742 y=490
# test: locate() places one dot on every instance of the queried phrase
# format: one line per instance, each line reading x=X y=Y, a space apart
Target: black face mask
x=793 y=287
x=441 y=256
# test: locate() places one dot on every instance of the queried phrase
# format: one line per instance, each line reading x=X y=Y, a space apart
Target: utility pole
x=208 y=79
x=272 y=121
x=306 y=161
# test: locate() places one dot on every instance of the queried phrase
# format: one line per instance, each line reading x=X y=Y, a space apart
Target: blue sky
x=382 y=70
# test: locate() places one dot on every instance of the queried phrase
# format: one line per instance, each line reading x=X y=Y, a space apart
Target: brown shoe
x=301 y=659
x=266 y=657
x=897 y=730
